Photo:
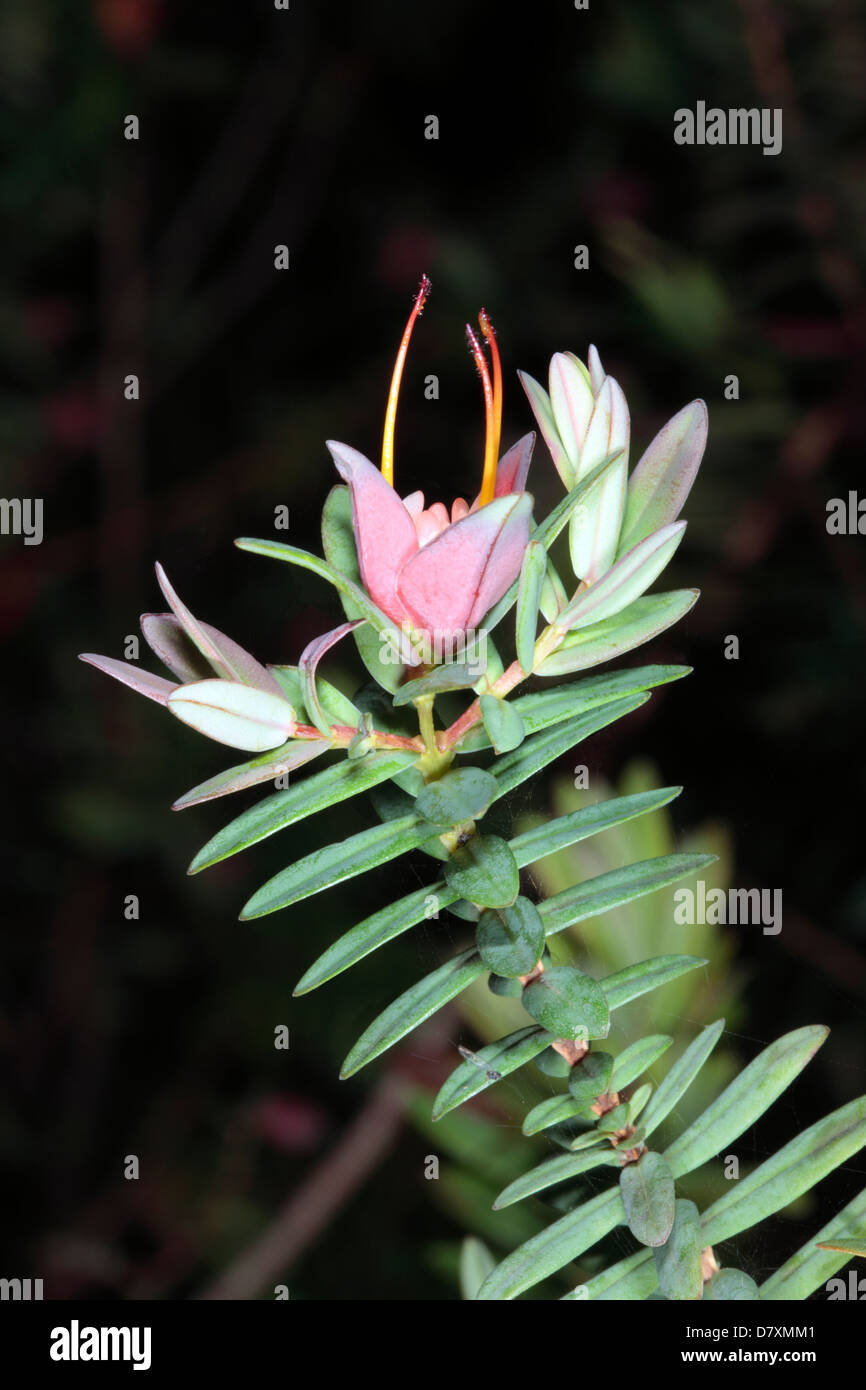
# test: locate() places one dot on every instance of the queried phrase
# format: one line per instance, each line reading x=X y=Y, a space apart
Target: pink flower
x=422 y=567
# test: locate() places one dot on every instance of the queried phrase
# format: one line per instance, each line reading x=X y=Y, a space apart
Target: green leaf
x=334 y=863
x=616 y=887
x=554 y=1171
x=412 y=1008
x=590 y=1078
x=484 y=871
x=678 y=1263
x=499 y=1059
x=730 y=1285
x=554 y=1247
x=744 y=1100
x=535 y=753
x=638 y=1101
x=681 y=1075
x=261 y=769
x=646 y=975
x=568 y=1004
x=551 y=836
x=846 y=1245
x=556 y=1110
x=527 y=848
x=510 y=940
x=811 y=1266
x=795 y=1169
x=532 y=576
x=649 y=1197
x=461 y=795
x=638 y=1057
x=644 y=619
x=476 y=1263
x=620 y=988
x=285 y=808
x=453 y=676
x=546 y=707
x=502 y=723
x=374 y=932
x=633 y=1278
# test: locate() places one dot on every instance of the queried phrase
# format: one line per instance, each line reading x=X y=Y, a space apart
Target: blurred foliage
x=155 y=1036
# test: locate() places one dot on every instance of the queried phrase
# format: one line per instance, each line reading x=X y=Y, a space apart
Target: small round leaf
x=511 y=939
x=649 y=1197
x=590 y=1077
x=485 y=872
x=568 y=1003
x=461 y=795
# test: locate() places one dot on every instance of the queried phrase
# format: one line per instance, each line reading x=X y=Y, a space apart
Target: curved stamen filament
x=391 y=412
x=490 y=337
x=488 y=481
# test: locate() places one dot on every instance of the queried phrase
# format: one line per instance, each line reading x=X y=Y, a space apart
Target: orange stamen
x=488 y=480
x=490 y=338
x=391 y=413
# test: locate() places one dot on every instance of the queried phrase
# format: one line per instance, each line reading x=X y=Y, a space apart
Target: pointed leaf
x=532 y=576
x=642 y=620
x=624 y=582
x=310 y=658
x=795 y=1169
x=168 y=638
x=476 y=1263
x=744 y=1100
x=554 y=1171
x=491 y=1063
x=681 y=1075
x=543 y=412
x=335 y=863
x=412 y=1007
x=535 y=753
x=638 y=1057
x=262 y=769
x=285 y=808
x=663 y=478
x=143 y=682
x=814 y=1263
x=554 y=1247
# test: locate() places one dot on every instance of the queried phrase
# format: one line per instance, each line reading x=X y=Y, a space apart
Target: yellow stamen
x=391 y=413
x=488 y=480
